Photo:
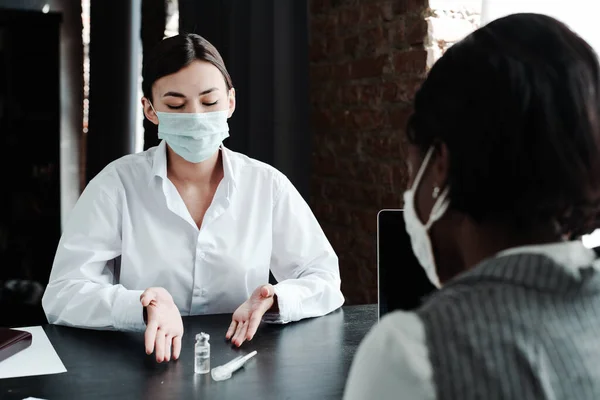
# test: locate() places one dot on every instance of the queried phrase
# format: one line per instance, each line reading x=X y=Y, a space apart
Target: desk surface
x=305 y=360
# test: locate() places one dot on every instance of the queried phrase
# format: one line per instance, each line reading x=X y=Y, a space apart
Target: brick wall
x=367 y=60
x=368 y=57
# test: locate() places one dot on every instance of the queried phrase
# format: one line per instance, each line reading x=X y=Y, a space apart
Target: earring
x=436 y=192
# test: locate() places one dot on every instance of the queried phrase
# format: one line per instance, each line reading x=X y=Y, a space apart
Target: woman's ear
x=149 y=111
x=231 y=102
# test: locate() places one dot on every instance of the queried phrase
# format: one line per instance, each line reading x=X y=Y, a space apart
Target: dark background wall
x=264 y=44
x=41 y=96
x=115 y=47
x=71 y=90
x=367 y=60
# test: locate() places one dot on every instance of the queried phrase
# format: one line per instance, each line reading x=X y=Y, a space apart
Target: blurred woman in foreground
x=504 y=160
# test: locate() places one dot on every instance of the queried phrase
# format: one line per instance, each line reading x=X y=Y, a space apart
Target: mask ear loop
x=152 y=107
x=422 y=169
x=439 y=208
x=441 y=204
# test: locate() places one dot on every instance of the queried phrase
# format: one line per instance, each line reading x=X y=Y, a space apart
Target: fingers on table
x=253 y=327
x=168 y=345
x=240 y=334
x=150 y=336
x=231 y=330
x=160 y=346
x=176 y=347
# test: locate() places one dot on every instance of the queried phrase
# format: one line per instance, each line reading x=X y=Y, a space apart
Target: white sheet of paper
x=38 y=359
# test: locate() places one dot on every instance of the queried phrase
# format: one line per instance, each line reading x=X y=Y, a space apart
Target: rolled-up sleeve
x=82 y=290
x=303 y=261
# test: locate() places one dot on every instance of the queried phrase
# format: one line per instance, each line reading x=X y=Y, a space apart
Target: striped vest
x=516 y=327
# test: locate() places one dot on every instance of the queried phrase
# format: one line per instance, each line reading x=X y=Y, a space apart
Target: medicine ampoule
x=202 y=354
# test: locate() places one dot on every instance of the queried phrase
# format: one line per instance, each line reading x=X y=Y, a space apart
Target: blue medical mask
x=193 y=136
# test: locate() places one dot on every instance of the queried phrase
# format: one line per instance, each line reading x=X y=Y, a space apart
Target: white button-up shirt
x=131 y=230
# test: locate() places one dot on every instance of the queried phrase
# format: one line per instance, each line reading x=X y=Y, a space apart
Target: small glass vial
x=202 y=354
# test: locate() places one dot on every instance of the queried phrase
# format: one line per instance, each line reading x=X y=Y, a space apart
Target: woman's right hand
x=164 y=327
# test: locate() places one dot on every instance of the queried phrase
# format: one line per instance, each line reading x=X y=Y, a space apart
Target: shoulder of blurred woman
x=393 y=358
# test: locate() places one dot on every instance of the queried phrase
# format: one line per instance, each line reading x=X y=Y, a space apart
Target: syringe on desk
x=225 y=371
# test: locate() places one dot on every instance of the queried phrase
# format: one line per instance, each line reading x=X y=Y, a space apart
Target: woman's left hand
x=247 y=317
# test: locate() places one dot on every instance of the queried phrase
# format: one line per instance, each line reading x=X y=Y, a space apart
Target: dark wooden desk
x=306 y=360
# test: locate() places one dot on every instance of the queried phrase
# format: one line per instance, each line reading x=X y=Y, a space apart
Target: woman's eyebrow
x=174 y=94
x=207 y=91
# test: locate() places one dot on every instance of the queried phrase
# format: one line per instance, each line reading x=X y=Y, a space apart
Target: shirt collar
x=159 y=162
x=570 y=254
x=159 y=165
x=562 y=266
x=229 y=166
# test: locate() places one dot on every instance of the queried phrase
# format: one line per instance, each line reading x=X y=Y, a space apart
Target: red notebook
x=12 y=341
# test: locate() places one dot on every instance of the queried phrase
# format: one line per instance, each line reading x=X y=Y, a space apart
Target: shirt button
x=203 y=291
x=202 y=255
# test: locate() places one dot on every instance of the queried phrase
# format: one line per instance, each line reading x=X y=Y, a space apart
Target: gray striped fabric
x=516 y=327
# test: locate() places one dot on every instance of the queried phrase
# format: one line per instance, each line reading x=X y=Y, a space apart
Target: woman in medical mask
x=190 y=227
x=504 y=167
